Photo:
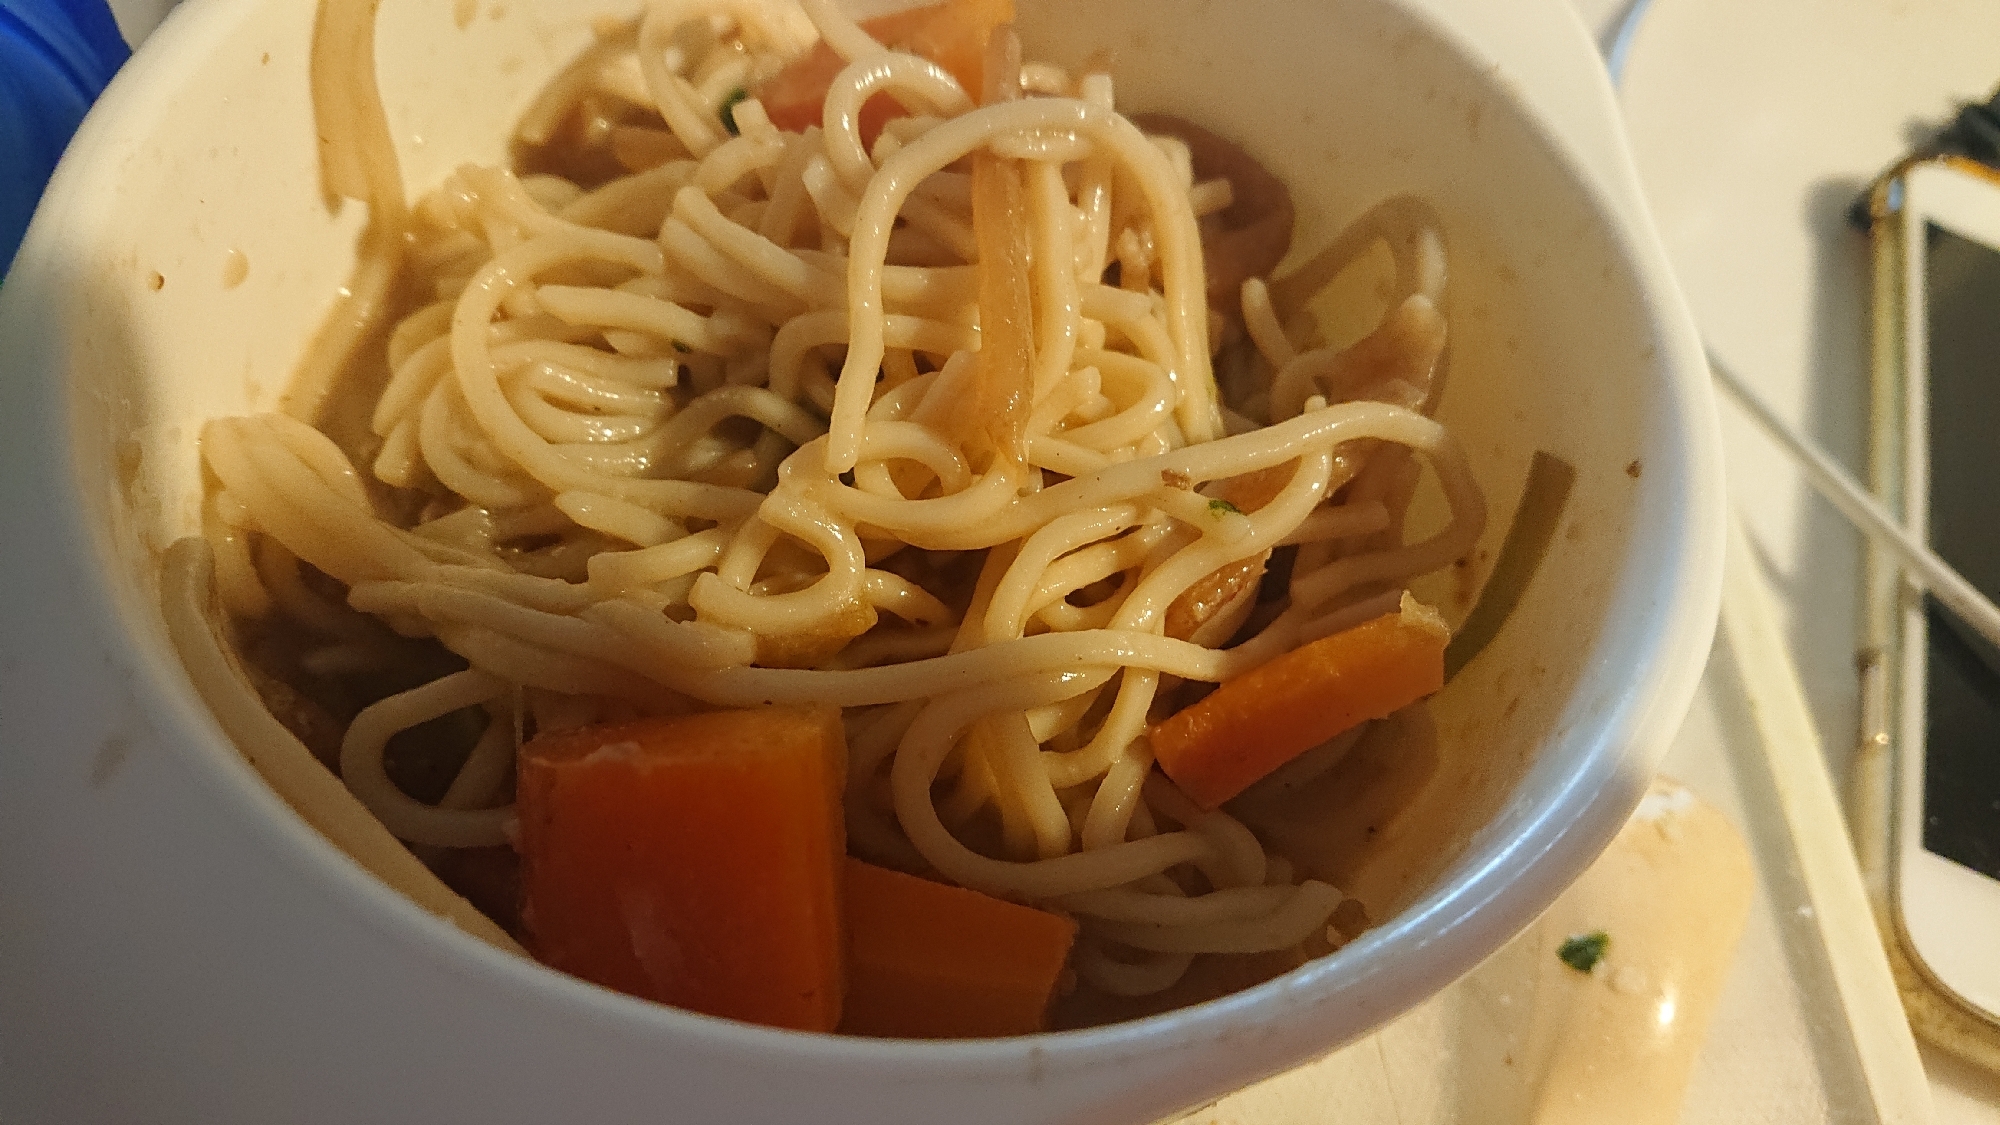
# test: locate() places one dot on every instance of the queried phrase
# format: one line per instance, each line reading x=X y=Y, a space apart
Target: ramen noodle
x=939 y=416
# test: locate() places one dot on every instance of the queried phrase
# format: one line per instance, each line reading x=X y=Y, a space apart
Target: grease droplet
x=110 y=758
x=235 y=267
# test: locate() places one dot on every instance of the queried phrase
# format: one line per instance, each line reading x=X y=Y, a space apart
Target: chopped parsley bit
x=680 y=347
x=1582 y=952
x=1217 y=507
x=728 y=111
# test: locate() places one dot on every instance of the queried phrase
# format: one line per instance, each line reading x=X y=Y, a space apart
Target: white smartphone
x=1943 y=718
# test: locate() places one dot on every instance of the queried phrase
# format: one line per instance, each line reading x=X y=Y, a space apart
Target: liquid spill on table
x=1527 y=1038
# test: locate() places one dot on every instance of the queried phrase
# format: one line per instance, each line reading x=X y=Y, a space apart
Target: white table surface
x=1811 y=557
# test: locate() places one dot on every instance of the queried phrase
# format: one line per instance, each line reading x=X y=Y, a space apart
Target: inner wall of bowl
x=221 y=258
x=1550 y=348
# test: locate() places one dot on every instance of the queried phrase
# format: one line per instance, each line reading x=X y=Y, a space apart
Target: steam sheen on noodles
x=930 y=431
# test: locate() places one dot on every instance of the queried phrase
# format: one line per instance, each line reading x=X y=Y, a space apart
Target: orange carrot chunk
x=1273 y=713
x=952 y=34
x=930 y=961
x=692 y=860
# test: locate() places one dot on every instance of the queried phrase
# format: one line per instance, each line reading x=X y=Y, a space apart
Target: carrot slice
x=952 y=34
x=930 y=961
x=693 y=860
x=1271 y=714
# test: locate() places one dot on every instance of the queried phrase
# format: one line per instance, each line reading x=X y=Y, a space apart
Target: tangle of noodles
x=928 y=430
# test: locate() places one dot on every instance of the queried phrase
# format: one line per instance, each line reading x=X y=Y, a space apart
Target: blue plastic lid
x=56 y=56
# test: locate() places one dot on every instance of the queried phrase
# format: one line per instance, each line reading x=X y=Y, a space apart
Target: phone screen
x=1962 y=691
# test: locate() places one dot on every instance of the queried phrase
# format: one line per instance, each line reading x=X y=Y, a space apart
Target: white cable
x=1831 y=481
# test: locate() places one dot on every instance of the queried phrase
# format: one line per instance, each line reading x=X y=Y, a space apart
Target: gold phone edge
x=1936 y=1014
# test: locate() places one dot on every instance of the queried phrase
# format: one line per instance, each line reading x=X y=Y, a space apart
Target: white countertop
x=1788 y=310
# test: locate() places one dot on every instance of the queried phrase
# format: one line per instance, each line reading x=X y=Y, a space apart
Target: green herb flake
x=728 y=111
x=1218 y=507
x=1582 y=952
x=680 y=347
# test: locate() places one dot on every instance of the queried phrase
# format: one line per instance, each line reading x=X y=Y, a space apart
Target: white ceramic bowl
x=176 y=946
